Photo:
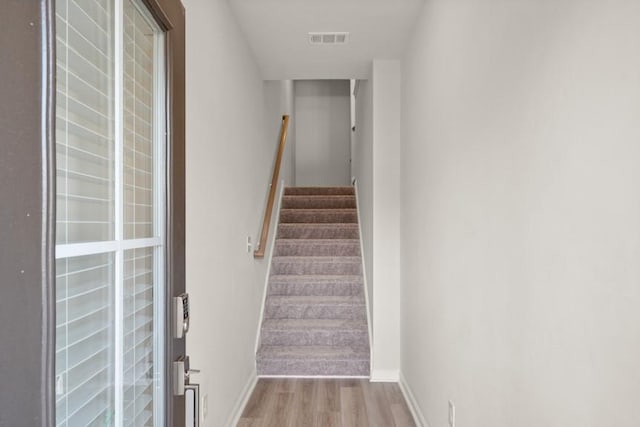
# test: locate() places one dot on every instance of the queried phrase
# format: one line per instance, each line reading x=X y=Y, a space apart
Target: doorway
x=323 y=132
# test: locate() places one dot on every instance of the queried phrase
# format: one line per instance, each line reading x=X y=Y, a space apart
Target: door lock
x=181 y=315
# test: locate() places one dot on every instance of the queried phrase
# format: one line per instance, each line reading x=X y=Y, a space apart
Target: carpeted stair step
x=319 y=191
x=318 y=202
x=316 y=265
x=318 y=231
x=315 y=307
x=317 y=247
x=318 y=216
x=309 y=361
x=315 y=316
x=314 y=332
x=316 y=285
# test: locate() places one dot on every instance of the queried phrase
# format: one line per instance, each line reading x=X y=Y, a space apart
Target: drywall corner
x=386 y=117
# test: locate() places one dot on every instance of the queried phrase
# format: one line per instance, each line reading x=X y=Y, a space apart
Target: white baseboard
x=385 y=376
x=317 y=377
x=418 y=417
x=234 y=418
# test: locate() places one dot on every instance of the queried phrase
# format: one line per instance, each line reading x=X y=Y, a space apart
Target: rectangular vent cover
x=328 y=38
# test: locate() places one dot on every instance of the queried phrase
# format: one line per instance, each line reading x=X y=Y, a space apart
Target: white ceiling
x=277 y=31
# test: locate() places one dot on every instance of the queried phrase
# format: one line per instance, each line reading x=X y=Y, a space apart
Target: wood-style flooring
x=279 y=402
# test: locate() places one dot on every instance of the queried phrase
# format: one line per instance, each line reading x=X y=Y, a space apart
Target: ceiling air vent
x=328 y=38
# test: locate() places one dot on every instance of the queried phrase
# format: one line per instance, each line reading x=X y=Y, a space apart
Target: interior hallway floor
x=281 y=402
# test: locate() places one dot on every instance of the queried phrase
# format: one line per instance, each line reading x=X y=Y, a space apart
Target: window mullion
x=119 y=211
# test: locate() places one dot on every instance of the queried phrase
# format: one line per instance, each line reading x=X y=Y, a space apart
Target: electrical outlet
x=452 y=414
x=205 y=406
x=249 y=244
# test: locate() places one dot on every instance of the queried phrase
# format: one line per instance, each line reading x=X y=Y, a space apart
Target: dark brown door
x=171 y=15
x=26 y=210
x=28 y=213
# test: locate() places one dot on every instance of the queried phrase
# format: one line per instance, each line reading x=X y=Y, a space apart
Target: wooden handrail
x=259 y=252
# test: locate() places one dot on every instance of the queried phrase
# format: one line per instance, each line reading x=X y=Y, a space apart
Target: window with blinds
x=85 y=121
x=84 y=331
x=110 y=224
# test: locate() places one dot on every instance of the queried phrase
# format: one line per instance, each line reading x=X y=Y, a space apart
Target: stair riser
x=316 y=268
x=319 y=202
x=315 y=337
x=317 y=217
x=311 y=368
x=319 y=191
x=315 y=232
x=315 y=311
x=316 y=289
x=311 y=249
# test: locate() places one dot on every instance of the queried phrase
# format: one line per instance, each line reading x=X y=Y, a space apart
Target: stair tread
x=316 y=299
x=309 y=352
x=315 y=324
x=316 y=278
x=328 y=201
x=345 y=190
x=330 y=216
x=318 y=230
x=319 y=196
x=318 y=241
x=320 y=187
x=283 y=285
x=317 y=247
x=347 y=197
x=317 y=258
x=321 y=210
x=321 y=224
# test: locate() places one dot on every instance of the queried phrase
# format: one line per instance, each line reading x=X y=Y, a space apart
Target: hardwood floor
x=279 y=402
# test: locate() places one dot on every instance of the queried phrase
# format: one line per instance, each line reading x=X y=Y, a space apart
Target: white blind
x=85 y=152
x=85 y=212
x=138 y=337
x=138 y=124
x=138 y=158
x=84 y=354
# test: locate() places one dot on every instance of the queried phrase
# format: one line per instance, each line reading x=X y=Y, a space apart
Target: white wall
x=278 y=100
x=228 y=170
x=521 y=213
x=322 y=113
x=386 y=93
x=376 y=166
x=362 y=167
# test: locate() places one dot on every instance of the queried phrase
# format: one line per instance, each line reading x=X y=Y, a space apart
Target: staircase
x=315 y=321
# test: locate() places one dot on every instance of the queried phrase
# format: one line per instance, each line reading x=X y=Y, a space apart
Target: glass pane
x=138 y=123
x=84 y=341
x=107 y=299
x=138 y=357
x=84 y=119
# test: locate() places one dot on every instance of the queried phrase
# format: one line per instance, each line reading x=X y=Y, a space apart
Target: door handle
x=182 y=374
